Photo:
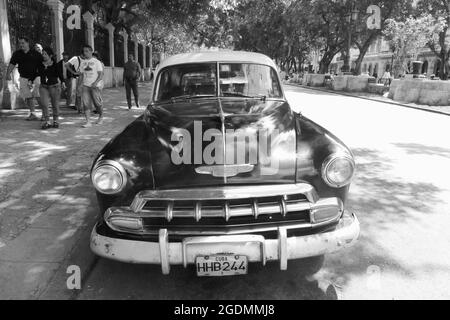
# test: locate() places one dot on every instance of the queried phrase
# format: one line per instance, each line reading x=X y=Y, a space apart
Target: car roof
x=218 y=56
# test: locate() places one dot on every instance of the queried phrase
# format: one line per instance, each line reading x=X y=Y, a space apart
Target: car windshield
x=200 y=80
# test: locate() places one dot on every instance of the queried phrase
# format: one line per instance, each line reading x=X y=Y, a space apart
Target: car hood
x=190 y=139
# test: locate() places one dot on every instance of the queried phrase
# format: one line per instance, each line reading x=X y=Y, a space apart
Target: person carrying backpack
x=73 y=67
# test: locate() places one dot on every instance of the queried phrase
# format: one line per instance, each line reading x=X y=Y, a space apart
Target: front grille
x=224 y=210
x=210 y=212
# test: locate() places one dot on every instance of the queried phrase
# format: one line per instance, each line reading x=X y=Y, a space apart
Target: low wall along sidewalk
x=421 y=91
x=418 y=91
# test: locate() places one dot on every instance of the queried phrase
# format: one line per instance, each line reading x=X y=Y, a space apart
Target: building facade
x=379 y=58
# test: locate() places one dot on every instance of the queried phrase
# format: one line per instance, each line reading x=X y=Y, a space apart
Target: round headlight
x=337 y=170
x=109 y=177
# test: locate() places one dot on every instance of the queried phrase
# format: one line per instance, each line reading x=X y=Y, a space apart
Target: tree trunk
x=359 y=60
x=362 y=53
x=443 y=67
x=325 y=61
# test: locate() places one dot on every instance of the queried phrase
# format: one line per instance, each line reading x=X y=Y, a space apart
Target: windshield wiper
x=189 y=96
x=238 y=94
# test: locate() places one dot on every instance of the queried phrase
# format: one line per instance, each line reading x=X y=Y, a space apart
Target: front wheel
x=307 y=266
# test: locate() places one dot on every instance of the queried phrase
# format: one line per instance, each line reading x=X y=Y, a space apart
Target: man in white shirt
x=91 y=70
x=73 y=67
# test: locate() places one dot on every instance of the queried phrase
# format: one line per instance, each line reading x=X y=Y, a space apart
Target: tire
x=307 y=266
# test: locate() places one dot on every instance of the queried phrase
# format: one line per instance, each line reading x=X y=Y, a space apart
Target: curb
x=343 y=93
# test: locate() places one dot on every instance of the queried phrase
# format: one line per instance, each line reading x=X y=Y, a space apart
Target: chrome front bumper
x=255 y=247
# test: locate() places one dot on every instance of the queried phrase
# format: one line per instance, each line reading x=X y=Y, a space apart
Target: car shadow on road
x=420 y=149
x=143 y=281
x=381 y=202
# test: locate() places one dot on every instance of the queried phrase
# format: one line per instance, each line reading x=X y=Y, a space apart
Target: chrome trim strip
x=222 y=240
x=255 y=208
x=169 y=211
x=227 y=211
x=284 y=209
x=236 y=229
x=138 y=203
x=164 y=250
x=282 y=248
x=226 y=193
x=198 y=211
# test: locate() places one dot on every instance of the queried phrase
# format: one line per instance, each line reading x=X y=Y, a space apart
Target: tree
x=322 y=21
x=410 y=37
x=440 y=46
x=126 y=13
x=259 y=27
x=362 y=37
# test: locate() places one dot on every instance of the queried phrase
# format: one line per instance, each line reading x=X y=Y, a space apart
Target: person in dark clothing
x=27 y=61
x=51 y=76
x=68 y=84
x=131 y=74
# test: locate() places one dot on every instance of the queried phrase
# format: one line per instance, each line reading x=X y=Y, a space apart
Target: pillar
x=151 y=56
x=136 y=49
x=111 y=29
x=57 y=8
x=144 y=55
x=5 y=56
x=125 y=44
x=144 y=62
x=89 y=20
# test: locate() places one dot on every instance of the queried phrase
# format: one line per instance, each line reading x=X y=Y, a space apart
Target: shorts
x=25 y=92
x=92 y=96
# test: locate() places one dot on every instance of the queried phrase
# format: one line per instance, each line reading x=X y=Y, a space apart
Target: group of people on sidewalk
x=42 y=78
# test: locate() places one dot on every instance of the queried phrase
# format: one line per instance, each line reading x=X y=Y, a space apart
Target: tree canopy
x=289 y=31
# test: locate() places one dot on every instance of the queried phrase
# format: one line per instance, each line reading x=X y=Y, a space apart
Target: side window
x=276 y=90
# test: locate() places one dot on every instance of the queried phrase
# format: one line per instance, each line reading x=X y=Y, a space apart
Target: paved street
x=401 y=194
x=47 y=203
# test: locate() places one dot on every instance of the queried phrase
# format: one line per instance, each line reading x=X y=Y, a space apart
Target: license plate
x=221 y=265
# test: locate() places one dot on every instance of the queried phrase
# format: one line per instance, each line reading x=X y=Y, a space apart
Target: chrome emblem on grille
x=225 y=170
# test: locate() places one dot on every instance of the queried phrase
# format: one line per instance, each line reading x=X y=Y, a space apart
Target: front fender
x=314 y=145
x=131 y=149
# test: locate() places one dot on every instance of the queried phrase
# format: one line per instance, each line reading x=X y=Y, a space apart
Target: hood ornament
x=225 y=170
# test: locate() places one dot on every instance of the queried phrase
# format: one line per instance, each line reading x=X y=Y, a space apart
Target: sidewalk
x=47 y=203
x=374 y=97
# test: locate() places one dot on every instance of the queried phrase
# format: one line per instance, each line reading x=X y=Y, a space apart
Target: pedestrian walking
x=131 y=74
x=386 y=78
x=27 y=61
x=91 y=70
x=50 y=88
x=96 y=55
x=73 y=66
x=69 y=83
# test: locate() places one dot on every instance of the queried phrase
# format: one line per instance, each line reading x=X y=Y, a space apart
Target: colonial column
x=125 y=45
x=89 y=20
x=5 y=56
x=111 y=29
x=5 y=42
x=136 y=49
x=151 y=57
x=57 y=8
x=144 y=55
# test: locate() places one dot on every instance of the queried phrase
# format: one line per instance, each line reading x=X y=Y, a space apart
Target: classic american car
x=219 y=174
